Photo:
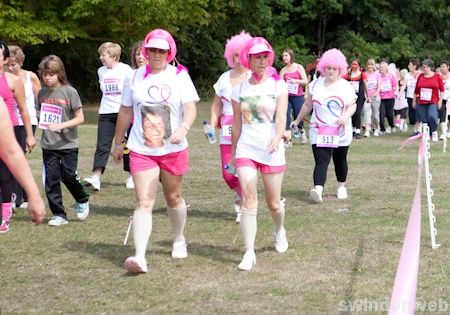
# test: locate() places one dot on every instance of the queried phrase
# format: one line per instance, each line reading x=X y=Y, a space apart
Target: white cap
x=259 y=48
x=157 y=43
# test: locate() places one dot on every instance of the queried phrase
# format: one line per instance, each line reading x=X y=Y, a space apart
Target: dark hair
x=52 y=64
x=5 y=50
x=135 y=48
x=415 y=62
x=444 y=62
x=291 y=53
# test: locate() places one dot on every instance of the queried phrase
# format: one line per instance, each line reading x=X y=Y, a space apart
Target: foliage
x=74 y=29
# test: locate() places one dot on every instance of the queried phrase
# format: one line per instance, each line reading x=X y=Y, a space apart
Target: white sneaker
x=238 y=217
x=342 y=193
x=82 y=210
x=434 y=136
x=179 y=250
x=367 y=134
x=442 y=137
x=24 y=205
x=57 y=220
x=303 y=139
x=376 y=133
x=92 y=181
x=448 y=134
x=248 y=261
x=135 y=265
x=388 y=130
x=281 y=242
x=129 y=183
x=316 y=195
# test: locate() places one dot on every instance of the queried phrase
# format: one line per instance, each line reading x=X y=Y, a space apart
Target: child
x=401 y=104
x=60 y=114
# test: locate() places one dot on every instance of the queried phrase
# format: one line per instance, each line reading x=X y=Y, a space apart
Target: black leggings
x=322 y=156
x=387 y=111
x=356 y=118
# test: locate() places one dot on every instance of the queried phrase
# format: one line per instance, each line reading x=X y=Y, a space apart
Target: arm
x=12 y=155
x=189 y=114
x=216 y=111
x=77 y=120
x=19 y=95
x=122 y=124
x=304 y=81
x=236 y=129
x=36 y=84
x=280 y=121
x=306 y=109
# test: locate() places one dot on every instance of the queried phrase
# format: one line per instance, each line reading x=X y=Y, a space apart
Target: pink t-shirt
x=373 y=82
x=387 y=84
x=8 y=97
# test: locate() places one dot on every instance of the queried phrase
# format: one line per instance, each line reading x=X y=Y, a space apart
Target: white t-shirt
x=29 y=100
x=111 y=84
x=446 y=94
x=258 y=107
x=224 y=90
x=410 y=85
x=328 y=106
x=157 y=102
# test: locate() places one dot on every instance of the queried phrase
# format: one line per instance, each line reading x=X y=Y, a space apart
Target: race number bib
x=226 y=122
x=111 y=86
x=386 y=86
x=371 y=84
x=327 y=137
x=50 y=114
x=292 y=88
x=425 y=94
x=355 y=85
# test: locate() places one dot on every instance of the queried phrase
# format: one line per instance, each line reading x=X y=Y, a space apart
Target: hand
x=341 y=120
x=118 y=153
x=54 y=127
x=30 y=143
x=292 y=125
x=273 y=146
x=178 y=136
x=287 y=136
x=414 y=105
x=36 y=209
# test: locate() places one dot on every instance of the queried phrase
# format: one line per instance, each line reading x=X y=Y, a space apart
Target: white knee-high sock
x=142 y=229
x=177 y=217
x=278 y=217
x=248 y=227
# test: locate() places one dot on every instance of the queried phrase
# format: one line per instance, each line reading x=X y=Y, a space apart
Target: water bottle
x=295 y=131
x=209 y=132
x=230 y=169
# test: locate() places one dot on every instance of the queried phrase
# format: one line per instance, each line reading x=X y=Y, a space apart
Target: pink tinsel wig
x=258 y=44
x=234 y=44
x=163 y=35
x=334 y=58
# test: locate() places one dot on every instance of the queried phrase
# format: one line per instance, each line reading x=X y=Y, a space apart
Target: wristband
x=186 y=126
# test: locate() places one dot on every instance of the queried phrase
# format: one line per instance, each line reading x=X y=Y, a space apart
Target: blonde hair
x=15 y=52
x=112 y=49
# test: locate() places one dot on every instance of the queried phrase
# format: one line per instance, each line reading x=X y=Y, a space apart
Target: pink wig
x=244 y=53
x=161 y=34
x=234 y=44
x=333 y=58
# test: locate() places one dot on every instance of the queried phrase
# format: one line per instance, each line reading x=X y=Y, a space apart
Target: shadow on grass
x=302 y=195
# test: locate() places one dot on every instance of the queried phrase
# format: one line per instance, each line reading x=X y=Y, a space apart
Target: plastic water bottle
x=230 y=169
x=209 y=132
x=296 y=131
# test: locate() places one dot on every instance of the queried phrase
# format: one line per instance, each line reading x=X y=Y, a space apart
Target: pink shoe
x=4 y=227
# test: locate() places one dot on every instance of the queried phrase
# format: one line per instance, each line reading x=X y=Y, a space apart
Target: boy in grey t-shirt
x=60 y=114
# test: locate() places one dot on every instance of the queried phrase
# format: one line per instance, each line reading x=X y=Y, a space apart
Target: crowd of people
x=147 y=109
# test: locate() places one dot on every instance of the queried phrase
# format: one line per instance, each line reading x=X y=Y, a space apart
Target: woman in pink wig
x=166 y=93
x=333 y=102
x=222 y=110
x=259 y=121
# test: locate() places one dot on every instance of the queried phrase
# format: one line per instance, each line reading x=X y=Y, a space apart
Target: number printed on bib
x=111 y=86
x=226 y=122
x=371 y=84
x=50 y=114
x=386 y=86
x=327 y=137
x=292 y=88
x=425 y=94
x=355 y=85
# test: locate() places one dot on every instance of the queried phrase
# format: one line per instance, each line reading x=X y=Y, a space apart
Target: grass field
x=334 y=255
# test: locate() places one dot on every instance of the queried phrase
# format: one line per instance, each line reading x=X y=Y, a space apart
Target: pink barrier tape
x=403 y=299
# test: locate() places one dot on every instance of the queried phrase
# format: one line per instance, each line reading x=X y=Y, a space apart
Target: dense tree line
x=73 y=29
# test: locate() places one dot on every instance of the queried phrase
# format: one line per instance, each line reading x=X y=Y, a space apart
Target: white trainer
x=82 y=210
x=316 y=195
x=303 y=139
x=135 y=265
x=248 y=261
x=367 y=134
x=57 y=220
x=92 y=181
x=342 y=193
x=129 y=183
x=281 y=242
x=179 y=250
x=376 y=133
x=388 y=130
x=434 y=136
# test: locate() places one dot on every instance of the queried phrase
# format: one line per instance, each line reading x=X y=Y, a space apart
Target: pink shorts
x=176 y=163
x=264 y=168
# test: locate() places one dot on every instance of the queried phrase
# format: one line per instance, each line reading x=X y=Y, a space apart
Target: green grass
x=333 y=256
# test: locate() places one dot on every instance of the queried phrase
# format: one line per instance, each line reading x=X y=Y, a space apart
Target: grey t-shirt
x=68 y=99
